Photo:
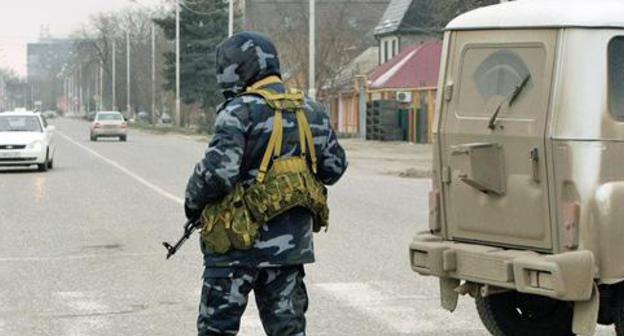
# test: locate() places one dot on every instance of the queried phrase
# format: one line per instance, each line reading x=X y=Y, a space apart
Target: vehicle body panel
x=499 y=219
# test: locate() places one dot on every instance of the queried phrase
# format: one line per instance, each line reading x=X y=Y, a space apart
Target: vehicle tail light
x=97 y=125
x=571 y=218
x=434 y=211
x=124 y=125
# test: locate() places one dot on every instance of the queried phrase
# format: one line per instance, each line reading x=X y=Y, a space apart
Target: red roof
x=417 y=66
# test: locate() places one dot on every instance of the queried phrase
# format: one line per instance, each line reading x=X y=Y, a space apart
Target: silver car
x=109 y=124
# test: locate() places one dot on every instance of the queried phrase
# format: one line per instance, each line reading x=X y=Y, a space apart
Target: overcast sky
x=20 y=22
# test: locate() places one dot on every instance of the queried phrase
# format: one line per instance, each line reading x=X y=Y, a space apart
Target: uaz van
x=527 y=206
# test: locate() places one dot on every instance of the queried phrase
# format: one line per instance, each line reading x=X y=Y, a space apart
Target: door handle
x=535 y=157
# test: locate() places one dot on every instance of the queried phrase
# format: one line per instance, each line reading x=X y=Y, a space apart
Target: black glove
x=192 y=214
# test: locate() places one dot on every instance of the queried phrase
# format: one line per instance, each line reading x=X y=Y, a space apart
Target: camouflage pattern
x=244 y=59
x=280 y=294
x=242 y=131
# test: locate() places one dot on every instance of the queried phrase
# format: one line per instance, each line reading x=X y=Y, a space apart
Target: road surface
x=80 y=249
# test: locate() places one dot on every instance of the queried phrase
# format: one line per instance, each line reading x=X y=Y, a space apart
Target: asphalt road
x=80 y=249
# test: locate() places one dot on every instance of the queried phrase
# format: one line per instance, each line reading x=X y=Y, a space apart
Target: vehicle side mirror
x=51 y=128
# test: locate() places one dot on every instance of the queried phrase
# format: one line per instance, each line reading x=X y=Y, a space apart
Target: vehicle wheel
x=517 y=314
x=93 y=138
x=44 y=166
x=618 y=311
x=123 y=138
x=51 y=164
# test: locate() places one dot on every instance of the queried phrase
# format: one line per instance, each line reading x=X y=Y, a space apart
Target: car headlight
x=36 y=145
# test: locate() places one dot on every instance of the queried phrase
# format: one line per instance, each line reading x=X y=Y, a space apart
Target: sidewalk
x=389 y=158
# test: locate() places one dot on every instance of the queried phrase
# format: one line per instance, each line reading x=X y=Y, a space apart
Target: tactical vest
x=281 y=185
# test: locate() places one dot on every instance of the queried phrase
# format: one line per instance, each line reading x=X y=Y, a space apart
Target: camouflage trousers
x=280 y=294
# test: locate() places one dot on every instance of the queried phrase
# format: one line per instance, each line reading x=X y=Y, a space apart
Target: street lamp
x=114 y=95
x=231 y=19
x=128 y=106
x=177 y=102
x=312 y=51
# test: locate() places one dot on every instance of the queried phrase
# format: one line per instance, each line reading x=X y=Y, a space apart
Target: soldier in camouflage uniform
x=273 y=268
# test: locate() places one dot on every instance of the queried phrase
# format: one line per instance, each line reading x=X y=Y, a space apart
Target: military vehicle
x=527 y=207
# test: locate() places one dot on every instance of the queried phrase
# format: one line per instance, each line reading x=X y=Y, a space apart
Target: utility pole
x=64 y=93
x=153 y=115
x=88 y=97
x=71 y=92
x=177 y=102
x=113 y=104
x=101 y=90
x=128 y=106
x=312 y=51
x=231 y=19
x=80 y=100
x=361 y=84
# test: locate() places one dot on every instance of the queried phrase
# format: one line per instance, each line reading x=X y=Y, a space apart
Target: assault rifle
x=189 y=228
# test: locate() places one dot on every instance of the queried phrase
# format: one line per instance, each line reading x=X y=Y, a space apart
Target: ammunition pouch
x=228 y=224
x=289 y=185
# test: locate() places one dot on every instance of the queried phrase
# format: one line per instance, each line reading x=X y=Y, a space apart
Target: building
x=342 y=97
x=408 y=38
x=411 y=77
x=45 y=62
x=408 y=22
x=403 y=25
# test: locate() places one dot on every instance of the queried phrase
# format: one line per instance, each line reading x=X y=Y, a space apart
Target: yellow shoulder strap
x=305 y=137
x=274 y=148
x=281 y=102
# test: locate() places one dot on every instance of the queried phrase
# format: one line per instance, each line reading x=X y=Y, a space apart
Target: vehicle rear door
x=492 y=137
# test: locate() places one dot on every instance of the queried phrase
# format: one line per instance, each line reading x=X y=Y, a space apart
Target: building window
x=395 y=49
x=385 y=51
x=616 y=77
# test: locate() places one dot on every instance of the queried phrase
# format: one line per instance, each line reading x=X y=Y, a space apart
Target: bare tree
x=341 y=37
x=94 y=47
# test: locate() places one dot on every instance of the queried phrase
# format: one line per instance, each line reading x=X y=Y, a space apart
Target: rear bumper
x=566 y=276
x=109 y=132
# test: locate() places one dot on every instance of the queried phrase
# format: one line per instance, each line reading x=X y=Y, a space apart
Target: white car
x=25 y=140
x=109 y=124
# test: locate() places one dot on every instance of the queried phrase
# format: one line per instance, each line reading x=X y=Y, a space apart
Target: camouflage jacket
x=242 y=131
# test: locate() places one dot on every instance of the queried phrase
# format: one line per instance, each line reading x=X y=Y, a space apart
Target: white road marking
x=403 y=314
x=125 y=170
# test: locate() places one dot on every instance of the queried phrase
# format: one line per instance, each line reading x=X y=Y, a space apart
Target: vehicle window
x=19 y=124
x=109 y=116
x=616 y=77
x=490 y=76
